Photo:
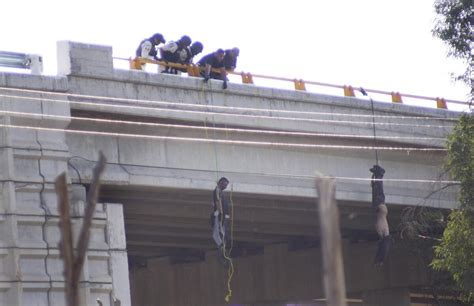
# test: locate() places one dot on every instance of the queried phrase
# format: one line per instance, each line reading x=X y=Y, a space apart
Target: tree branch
x=91 y=202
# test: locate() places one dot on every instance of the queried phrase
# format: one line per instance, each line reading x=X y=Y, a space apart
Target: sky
x=377 y=44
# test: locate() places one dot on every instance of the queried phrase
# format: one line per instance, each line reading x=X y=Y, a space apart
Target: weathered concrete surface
x=31 y=271
x=164 y=184
x=274 y=278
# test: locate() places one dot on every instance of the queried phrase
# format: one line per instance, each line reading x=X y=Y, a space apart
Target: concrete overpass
x=151 y=233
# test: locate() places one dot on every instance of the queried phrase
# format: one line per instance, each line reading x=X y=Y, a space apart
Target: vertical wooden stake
x=73 y=262
x=333 y=269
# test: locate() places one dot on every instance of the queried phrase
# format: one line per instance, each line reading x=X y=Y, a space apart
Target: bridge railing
x=298 y=84
x=16 y=60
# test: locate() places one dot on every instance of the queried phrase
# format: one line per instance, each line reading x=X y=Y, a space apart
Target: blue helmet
x=157 y=38
x=196 y=47
x=185 y=40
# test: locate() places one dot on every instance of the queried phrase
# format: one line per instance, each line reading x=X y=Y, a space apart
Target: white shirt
x=146 y=48
x=171 y=47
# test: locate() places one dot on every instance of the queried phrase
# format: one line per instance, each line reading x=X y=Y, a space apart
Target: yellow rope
x=230 y=271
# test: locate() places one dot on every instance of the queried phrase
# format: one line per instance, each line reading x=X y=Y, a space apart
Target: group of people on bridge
x=182 y=51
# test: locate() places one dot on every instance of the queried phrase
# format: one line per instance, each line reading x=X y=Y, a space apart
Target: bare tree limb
x=91 y=202
x=440 y=189
x=73 y=263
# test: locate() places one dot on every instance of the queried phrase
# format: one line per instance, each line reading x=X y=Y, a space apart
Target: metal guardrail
x=299 y=84
x=33 y=62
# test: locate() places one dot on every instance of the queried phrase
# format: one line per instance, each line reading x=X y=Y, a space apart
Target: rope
x=215 y=150
x=230 y=270
x=214 y=136
x=375 y=137
x=362 y=90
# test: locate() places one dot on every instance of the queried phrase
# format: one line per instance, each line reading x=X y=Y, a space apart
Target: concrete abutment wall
x=31 y=270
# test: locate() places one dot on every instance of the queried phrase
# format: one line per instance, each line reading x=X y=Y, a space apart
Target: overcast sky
x=378 y=44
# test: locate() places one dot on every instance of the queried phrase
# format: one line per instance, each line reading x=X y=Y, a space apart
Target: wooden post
x=73 y=262
x=333 y=269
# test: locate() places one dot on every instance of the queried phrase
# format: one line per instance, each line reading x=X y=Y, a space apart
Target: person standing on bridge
x=230 y=59
x=210 y=63
x=175 y=52
x=148 y=47
x=381 y=211
x=191 y=52
x=220 y=217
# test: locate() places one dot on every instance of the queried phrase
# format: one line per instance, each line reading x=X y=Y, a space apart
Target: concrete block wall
x=84 y=59
x=31 y=270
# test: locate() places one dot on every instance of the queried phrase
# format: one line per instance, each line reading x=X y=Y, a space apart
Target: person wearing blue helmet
x=212 y=66
x=148 y=47
x=175 y=52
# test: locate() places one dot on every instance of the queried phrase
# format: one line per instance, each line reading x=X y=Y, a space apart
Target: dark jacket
x=211 y=60
x=230 y=61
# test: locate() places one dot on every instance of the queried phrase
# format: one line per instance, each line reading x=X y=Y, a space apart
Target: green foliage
x=461 y=159
x=454 y=28
x=455 y=253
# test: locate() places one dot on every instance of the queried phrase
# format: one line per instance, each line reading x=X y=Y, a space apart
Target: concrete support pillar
x=387 y=297
x=118 y=253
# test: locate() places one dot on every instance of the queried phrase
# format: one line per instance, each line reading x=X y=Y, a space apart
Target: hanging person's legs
x=217 y=232
x=219 y=236
x=382 y=229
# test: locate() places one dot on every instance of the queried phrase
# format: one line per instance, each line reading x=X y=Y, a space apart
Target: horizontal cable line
x=57 y=248
x=297 y=176
x=241 y=142
x=394 y=180
x=50 y=215
x=228 y=114
x=56 y=282
x=275 y=132
x=225 y=107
